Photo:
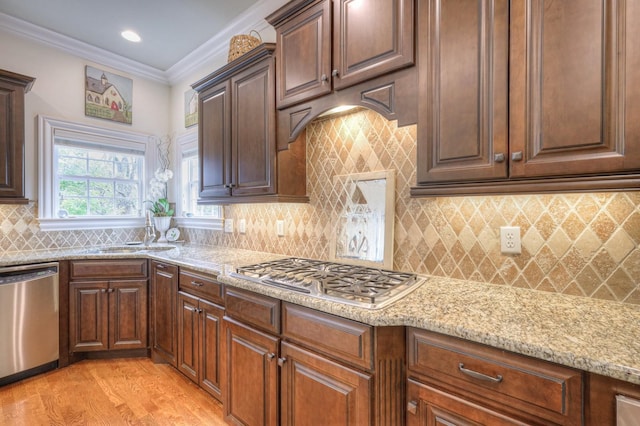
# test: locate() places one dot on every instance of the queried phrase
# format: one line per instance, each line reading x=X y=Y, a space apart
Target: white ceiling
x=170 y=29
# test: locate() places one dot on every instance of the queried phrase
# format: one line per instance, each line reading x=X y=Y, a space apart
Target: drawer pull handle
x=196 y=283
x=479 y=376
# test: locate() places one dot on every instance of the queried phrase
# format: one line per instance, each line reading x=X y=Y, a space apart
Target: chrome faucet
x=149 y=230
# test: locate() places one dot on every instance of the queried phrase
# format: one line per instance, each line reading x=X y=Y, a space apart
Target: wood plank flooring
x=109 y=392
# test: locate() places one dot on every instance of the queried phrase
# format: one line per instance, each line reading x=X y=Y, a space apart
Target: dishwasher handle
x=14 y=274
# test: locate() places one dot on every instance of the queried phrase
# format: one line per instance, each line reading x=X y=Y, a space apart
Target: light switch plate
x=280 y=227
x=228 y=225
x=242 y=226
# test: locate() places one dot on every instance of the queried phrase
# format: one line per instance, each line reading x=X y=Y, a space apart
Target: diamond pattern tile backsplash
x=579 y=244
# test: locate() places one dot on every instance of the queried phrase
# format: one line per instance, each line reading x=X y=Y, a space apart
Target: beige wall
x=58 y=92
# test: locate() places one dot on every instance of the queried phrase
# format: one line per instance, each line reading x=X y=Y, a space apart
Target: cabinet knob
x=516 y=156
x=104 y=290
x=324 y=78
x=412 y=407
x=499 y=158
x=281 y=362
x=334 y=73
x=271 y=356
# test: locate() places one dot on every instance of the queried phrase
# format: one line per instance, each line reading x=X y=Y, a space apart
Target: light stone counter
x=593 y=335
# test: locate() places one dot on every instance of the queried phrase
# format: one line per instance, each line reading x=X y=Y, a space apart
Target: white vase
x=163 y=223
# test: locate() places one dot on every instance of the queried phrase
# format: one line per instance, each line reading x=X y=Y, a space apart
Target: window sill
x=73 y=223
x=200 y=223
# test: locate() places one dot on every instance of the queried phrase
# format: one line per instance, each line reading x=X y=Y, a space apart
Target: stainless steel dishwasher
x=29 y=318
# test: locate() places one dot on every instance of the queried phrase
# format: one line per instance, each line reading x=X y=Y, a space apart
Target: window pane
x=73 y=188
x=74 y=206
x=102 y=207
x=125 y=206
x=71 y=166
x=99 y=168
x=126 y=168
x=100 y=189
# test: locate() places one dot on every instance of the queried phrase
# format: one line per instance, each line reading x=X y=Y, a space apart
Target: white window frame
x=188 y=142
x=50 y=128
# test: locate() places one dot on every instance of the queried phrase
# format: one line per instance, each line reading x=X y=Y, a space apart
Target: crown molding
x=80 y=49
x=215 y=49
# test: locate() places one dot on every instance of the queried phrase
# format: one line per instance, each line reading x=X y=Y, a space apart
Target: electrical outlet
x=280 y=228
x=242 y=226
x=228 y=225
x=510 y=240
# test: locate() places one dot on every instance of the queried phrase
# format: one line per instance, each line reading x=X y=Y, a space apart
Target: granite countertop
x=599 y=336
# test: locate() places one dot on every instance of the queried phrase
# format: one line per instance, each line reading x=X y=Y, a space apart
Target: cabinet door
x=370 y=38
x=304 y=49
x=462 y=130
x=433 y=407
x=254 y=134
x=88 y=316
x=12 y=90
x=573 y=87
x=316 y=390
x=164 y=292
x=251 y=378
x=128 y=314
x=210 y=353
x=188 y=336
x=214 y=140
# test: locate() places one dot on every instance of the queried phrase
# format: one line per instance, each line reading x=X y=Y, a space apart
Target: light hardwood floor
x=108 y=392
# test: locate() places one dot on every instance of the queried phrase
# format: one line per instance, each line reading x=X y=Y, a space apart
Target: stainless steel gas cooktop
x=355 y=285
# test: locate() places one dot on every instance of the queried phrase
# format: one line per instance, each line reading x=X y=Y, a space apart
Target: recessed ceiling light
x=131 y=36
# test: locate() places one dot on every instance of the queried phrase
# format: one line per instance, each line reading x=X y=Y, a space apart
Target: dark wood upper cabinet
x=239 y=161
x=214 y=140
x=325 y=45
x=570 y=108
x=462 y=112
x=12 y=90
x=571 y=82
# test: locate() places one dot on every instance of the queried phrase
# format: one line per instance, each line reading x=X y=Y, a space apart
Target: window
x=97 y=180
x=91 y=177
x=190 y=213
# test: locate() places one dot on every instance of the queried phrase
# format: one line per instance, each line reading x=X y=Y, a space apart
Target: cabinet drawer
x=337 y=337
x=252 y=308
x=201 y=285
x=106 y=269
x=504 y=378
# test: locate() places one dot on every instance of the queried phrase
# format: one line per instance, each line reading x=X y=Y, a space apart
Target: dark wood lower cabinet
x=107 y=315
x=315 y=390
x=199 y=338
x=431 y=406
x=164 y=331
x=251 y=380
x=601 y=391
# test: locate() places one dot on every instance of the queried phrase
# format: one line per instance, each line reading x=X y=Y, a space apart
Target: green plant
x=161 y=207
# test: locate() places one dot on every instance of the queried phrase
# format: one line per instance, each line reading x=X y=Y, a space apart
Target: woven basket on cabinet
x=241 y=44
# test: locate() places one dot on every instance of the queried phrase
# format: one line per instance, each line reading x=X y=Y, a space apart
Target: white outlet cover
x=510 y=242
x=228 y=225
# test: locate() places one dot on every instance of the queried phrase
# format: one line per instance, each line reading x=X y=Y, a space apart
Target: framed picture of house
x=190 y=108
x=108 y=96
x=363 y=233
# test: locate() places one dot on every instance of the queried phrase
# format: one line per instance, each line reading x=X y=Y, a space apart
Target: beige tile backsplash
x=581 y=244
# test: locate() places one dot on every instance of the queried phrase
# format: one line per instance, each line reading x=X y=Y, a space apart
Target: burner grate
x=358 y=284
